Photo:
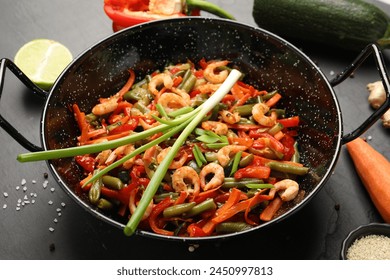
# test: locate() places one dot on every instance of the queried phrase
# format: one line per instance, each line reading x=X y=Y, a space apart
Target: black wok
x=268 y=61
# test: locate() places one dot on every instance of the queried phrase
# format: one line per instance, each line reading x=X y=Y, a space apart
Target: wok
x=268 y=61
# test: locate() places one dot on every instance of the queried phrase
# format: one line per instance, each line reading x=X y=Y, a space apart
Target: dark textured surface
x=314 y=232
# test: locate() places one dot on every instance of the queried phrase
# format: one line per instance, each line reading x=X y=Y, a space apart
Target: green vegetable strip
x=147 y=196
x=90 y=149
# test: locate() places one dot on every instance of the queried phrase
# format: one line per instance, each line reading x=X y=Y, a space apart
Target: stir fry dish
x=232 y=170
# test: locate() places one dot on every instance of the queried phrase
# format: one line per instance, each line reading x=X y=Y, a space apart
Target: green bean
x=140 y=106
x=230 y=227
x=259 y=186
x=104 y=204
x=177 y=210
x=288 y=168
x=296 y=156
x=245 y=161
x=244 y=110
x=281 y=113
x=269 y=95
x=137 y=94
x=94 y=191
x=230 y=182
x=112 y=182
x=275 y=129
x=188 y=84
x=206 y=205
x=91 y=117
x=160 y=197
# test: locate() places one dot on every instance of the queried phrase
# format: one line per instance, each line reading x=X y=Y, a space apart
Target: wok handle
x=6 y=63
x=370 y=49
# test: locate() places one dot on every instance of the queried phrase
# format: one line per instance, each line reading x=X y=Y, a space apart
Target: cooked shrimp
x=186 y=97
x=102 y=157
x=216 y=127
x=207 y=88
x=122 y=150
x=185 y=177
x=106 y=106
x=229 y=117
x=171 y=101
x=211 y=75
x=177 y=162
x=159 y=80
x=259 y=111
x=287 y=189
x=216 y=180
x=223 y=154
x=130 y=162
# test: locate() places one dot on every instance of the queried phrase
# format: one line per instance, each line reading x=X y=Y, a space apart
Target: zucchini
x=346 y=24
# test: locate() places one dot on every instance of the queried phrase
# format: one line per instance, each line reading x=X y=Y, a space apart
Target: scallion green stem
x=154 y=183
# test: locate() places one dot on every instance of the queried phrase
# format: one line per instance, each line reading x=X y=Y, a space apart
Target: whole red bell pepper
x=125 y=13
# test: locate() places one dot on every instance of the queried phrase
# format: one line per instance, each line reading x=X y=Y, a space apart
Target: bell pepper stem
x=209 y=7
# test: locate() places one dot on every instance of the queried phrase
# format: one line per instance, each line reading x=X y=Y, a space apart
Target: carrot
x=374 y=171
x=271 y=209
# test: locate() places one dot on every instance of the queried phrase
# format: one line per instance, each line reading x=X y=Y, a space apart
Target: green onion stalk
x=186 y=122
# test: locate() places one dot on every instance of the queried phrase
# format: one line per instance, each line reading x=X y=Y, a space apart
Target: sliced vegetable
x=125 y=13
x=346 y=24
x=374 y=171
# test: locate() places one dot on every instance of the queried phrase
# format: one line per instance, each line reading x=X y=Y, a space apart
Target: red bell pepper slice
x=86 y=162
x=154 y=220
x=289 y=122
x=251 y=171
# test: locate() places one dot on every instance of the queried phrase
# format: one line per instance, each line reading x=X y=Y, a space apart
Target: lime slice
x=43 y=60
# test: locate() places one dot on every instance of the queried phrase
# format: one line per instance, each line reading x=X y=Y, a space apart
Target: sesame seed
x=55 y=220
x=45 y=183
x=58 y=209
x=51 y=229
x=370 y=247
x=17 y=208
x=63 y=204
x=5 y=194
x=23 y=182
x=24 y=188
x=52 y=189
x=50 y=202
x=17 y=188
x=4 y=206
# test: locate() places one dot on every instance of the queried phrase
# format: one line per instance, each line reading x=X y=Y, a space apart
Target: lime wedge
x=43 y=60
